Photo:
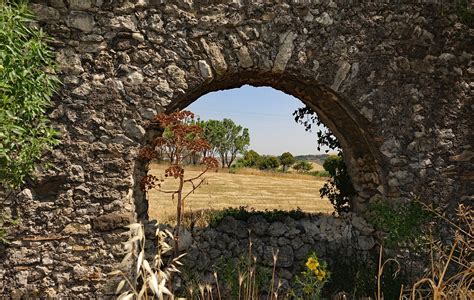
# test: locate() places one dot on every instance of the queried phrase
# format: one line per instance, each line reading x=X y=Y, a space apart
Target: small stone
x=124 y=23
x=341 y=74
x=138 y=36
x=79 y=4
x=233 y=227
x=367 y=112
x=82 y=90
x=205 y=69
x=80 y=20
x=447 y=57
x=79 y=271
x=285 y=52
x=185 y=240
x=361 y=225
x=25 y=195
x=45 y=13
x=277 y=229
x=177 y=75
x=77 y=229
x=258 y=225
x=365 y=242
x=324 y=19
x=76 y=173
x=57 y=3
x=134 y=78
x=47 y=261
x=147 y=113
x=217 y=58
x=132 y=129
x=22 y=277
x=245 y=61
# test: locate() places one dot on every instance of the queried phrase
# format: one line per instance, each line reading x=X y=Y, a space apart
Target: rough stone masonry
x=392 y=81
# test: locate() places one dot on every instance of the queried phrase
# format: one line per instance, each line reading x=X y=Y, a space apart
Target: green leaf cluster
x=27 y=84
x=339 y=188
x=303 y=166
x=402 y=223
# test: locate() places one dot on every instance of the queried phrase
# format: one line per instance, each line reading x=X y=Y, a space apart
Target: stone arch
x=393 y=79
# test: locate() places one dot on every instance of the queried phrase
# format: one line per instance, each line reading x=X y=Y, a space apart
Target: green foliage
x=403 y=224
x=226 y=138
x=303 y=166
x=307 y=117
x=228 y=273
x=287 y=160
x=6 y=221
x=268 y=162
x=243 y=214
x=464 y=12
x=251 y=159
x=357 y=276
x=26 y=87
x=339 y=188
x=322 y=173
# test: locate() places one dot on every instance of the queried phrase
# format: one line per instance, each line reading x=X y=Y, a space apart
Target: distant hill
x=317 y=158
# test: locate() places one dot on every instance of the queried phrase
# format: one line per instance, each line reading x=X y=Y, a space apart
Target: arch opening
x=351 y=130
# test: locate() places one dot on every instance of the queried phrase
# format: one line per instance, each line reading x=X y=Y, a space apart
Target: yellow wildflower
x=312 y=264
x=321 y=275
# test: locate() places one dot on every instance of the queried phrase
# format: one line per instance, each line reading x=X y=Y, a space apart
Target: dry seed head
x=275 y=255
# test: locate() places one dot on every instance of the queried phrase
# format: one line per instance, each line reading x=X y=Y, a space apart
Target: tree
x=27 y=84
x=339 y=187
x=226 y=139
x=181 y=139
x=286 y=160
x=302 y=166
x=268 y=162
x=251 y=159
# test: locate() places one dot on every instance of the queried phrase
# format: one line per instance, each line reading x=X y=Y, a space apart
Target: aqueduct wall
x=392 y=81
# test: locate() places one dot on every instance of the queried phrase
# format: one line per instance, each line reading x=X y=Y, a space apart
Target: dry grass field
x=249 y=187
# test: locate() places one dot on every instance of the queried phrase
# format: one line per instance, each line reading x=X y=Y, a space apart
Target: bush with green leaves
x=250 y=159
x=338 y=188
x=27 y=84
x=268 y=162
x=303 y=166
x=402 y=223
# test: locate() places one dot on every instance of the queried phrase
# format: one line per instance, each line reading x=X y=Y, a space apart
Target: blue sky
x=266 y=112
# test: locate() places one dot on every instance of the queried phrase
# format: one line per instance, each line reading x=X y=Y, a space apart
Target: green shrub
x=402 y=223
x=268 y=162
x=243 y=214
x=303 y=166
x=26 y=87
x=339 y=188
x=322 y=173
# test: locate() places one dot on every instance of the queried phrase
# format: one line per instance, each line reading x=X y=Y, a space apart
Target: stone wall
x=392 y=81
x=209 y=249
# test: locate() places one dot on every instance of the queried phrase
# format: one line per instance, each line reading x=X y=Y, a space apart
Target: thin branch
x=197 y=177
x=194 y=189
